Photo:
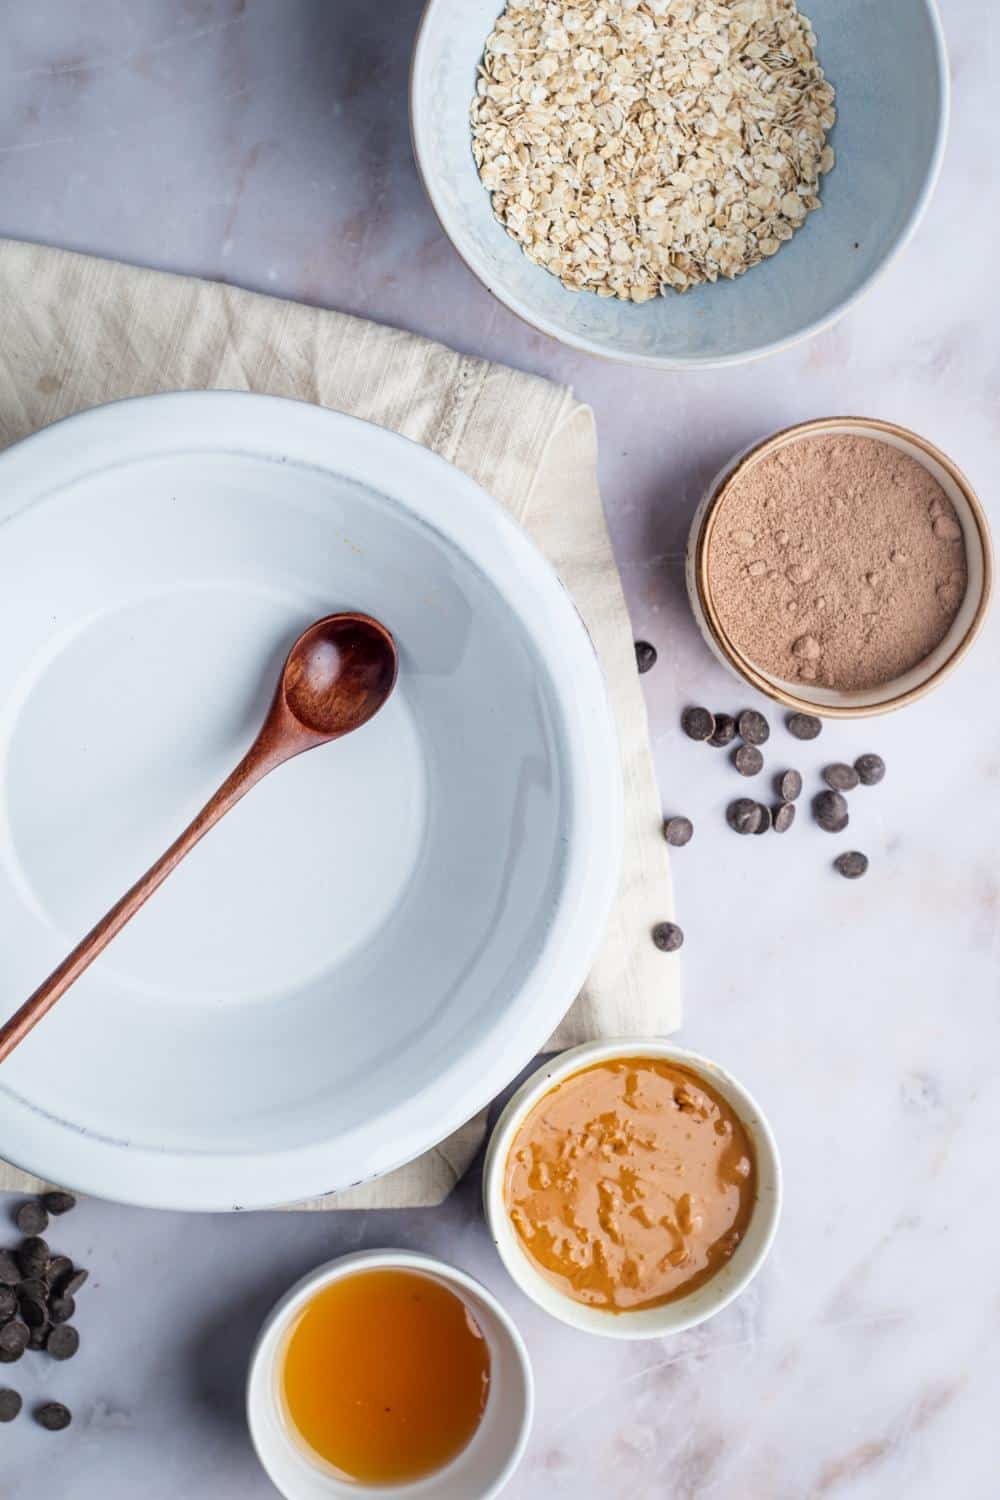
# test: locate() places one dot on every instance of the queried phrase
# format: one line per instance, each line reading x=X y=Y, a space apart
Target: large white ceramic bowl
x=886 y=59
x=375 y=941
x=483 y=1467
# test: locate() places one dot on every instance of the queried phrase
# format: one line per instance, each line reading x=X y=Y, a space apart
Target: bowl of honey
x=632 y=1188
x=386 y=1373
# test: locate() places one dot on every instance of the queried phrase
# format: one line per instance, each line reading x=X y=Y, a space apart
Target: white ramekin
x=830 y=702
x=481 y=1469
x=670 y=1317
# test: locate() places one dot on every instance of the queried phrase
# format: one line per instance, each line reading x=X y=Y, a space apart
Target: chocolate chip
x=851 y=865
x=725 y=731
x=645 y=655
x=840 y=777
x=10 y=1271
x=13 y=1340
x=63 y=1341
x=53 y=1416
x=61 y=1308
x=72 y=1284
x=803 y=726
x=668 y=937
x=783 y=817
x=35 y=1314
x=8 y=1304
x=753 y=727
x=677 y=831
x=830 y=811
x=765 y=819
x=698 y=723
x=10 y=1404
x=748 y=760
x=31 y=1297
x=58 y=1202
x=31 y=1218
x=59 y=1266
x=788 y=785
x=33 y=1256
x=743 y=815
x=870 y=769
x=37 y=1337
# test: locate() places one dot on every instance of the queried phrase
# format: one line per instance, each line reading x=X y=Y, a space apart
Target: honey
x=631 y=1183
x=385 y=1376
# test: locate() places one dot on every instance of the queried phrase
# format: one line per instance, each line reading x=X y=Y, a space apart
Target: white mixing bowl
x=370 y=945
x=886 y=59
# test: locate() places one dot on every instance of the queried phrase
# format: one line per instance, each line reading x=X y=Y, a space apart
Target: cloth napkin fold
x=78 y=331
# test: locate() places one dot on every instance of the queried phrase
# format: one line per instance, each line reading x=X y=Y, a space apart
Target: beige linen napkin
x=79 y=331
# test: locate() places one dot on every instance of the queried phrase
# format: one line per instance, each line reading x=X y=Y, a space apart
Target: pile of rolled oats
x=634 y=145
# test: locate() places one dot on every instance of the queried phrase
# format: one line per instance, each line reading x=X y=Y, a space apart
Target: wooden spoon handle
x=255 y=764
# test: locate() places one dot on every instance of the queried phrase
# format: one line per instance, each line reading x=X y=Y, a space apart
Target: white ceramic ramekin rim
x=670 y=1317
x=299 y=1477
x=921 y=678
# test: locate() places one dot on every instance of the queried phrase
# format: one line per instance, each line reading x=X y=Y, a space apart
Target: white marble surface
x=264 y=142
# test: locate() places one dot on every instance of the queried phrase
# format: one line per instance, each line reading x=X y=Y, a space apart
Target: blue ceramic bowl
x=887 y=61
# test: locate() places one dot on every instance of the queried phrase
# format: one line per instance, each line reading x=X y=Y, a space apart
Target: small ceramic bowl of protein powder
x=843 y=566
x=632 y=1188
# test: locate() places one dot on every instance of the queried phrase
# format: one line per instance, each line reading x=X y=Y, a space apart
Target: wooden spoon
x=337 y=676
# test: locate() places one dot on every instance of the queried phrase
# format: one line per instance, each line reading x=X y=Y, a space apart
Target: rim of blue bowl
x=701 y=362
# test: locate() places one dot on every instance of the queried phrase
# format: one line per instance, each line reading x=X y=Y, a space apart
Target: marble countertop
x=264 y=142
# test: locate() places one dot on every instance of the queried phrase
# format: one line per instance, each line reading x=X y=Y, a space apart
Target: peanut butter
x=630 y=1183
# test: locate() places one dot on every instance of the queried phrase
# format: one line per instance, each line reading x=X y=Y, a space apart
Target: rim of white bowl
x=670 y=1317
x=263 y=1360
x=244 y=422
x=694 y=362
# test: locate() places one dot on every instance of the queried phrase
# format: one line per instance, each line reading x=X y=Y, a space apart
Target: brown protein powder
x=836 y=560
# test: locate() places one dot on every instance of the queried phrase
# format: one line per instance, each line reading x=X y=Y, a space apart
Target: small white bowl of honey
x=388 y=1373
x=632 y=1188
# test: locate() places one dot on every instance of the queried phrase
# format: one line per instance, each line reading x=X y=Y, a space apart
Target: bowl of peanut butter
x=632 y=1188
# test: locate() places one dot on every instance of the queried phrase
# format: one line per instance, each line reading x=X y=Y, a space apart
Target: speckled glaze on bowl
x=887 y=61
x=832 y=703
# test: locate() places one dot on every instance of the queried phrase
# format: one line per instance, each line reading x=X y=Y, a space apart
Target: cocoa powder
x=838 y=561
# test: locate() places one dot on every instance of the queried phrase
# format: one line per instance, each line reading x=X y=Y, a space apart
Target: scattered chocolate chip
x=765 y=819
x=677 y=831
x=840 y=777
x=748 y=760
x=58 y=1202
x=645 y=655
x=788 y=785
x=743 y=815
x=59 y=1266
x=63 y=1341
x=870 y=769
x=13 y=1340
x=72 y=1284
x=33 y=1256
x=31 y=1218
x=803 y=726
x=10 y=1404
x=8 y=1304
x=725 y=731
x=698 y=723
x=783 y=817
x=10 y=1271
x=668 y=937
x=35 y=1314
x=53 y=1416
x=830 y=811
x=753 y=727
x=61 y=1308
x=851 y=865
